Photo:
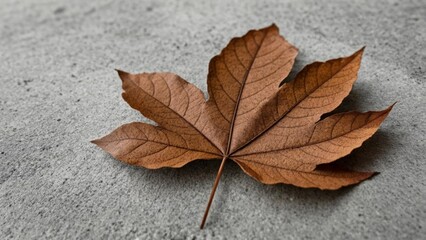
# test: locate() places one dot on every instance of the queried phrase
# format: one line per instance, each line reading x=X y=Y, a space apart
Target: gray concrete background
x=59 y=91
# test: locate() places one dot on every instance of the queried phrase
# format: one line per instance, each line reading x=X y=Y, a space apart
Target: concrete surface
x=59 y=91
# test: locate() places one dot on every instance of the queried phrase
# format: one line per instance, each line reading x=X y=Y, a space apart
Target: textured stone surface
x=59 y=90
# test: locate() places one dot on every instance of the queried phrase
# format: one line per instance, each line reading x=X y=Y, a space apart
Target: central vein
x=240 y=93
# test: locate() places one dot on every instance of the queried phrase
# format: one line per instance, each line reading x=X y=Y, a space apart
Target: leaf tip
x=122 y=74
x=95 y=141
x=360 y=51
x=388 y=109
x=272 y=27
x=369 y=175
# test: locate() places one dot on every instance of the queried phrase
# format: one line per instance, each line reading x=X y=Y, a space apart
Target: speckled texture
x=59 y=91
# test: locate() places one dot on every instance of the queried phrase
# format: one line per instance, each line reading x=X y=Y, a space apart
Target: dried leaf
x=274 y=133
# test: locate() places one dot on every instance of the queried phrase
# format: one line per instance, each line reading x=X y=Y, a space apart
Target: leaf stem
x=216 y=182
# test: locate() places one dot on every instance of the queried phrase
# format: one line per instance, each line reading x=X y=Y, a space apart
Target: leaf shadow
x=371 y=156
x=279 y=198
x=195 y=173
x=297 y=67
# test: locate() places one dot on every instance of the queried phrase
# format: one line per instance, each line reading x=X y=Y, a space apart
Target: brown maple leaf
x=274 y=133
